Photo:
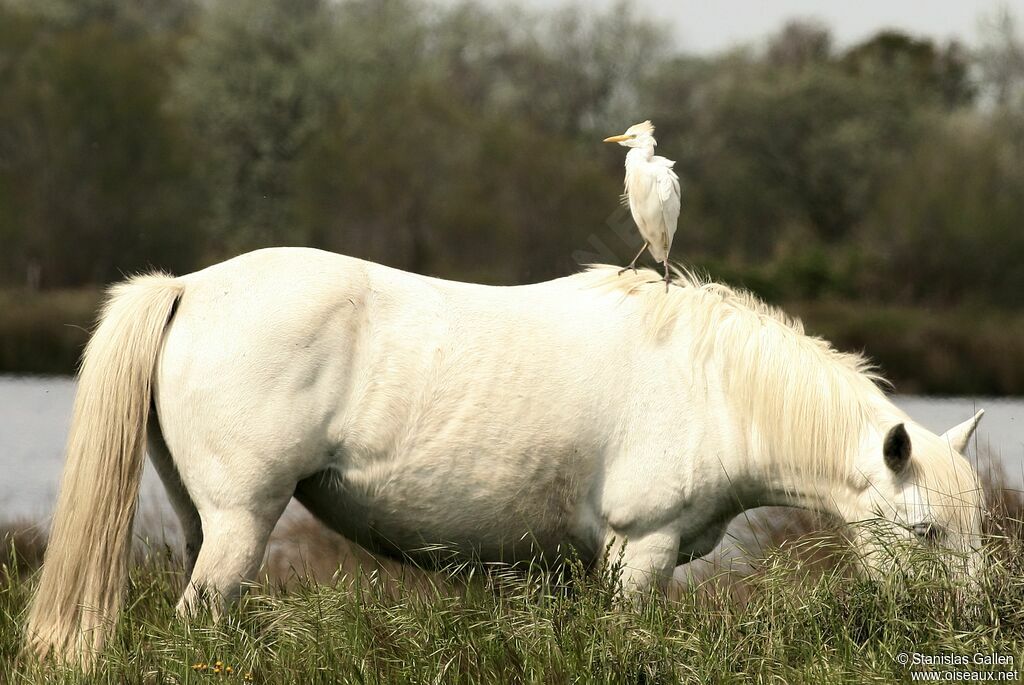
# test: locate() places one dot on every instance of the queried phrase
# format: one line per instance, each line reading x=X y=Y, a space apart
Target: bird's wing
x=662 y=161
x=653 y=192
x=643 y=186
x=640 y=187
x=669 y=193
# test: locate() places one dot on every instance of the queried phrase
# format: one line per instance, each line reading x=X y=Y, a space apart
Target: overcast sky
x=711 y=25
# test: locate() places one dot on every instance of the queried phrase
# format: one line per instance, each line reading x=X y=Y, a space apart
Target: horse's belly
x=439 y=514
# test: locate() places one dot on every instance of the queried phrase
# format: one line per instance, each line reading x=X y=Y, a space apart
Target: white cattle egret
x=652 y=191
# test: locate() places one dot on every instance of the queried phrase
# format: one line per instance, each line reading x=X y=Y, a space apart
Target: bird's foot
x=632 y=264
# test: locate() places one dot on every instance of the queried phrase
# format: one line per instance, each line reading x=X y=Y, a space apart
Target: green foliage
x=45 y=332
x=950 y=225
x=463 y=140
x=786 y=622
x=94 y=181
x=780 y=156
x=960 y=351
x=256 y=83
x=934 y=75
x=177 y=133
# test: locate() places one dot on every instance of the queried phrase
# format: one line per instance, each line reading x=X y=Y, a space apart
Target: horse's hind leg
x=181 y=501
x=234 y=542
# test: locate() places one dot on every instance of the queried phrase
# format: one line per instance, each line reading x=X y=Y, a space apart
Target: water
x=1000 y=435
x=35 y=411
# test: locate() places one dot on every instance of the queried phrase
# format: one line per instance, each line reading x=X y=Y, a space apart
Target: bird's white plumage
x=652 y=189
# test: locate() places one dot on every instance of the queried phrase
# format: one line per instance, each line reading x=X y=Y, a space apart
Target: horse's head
x=916 y=487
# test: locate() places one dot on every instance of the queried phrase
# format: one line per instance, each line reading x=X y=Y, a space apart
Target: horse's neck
x=812 y=474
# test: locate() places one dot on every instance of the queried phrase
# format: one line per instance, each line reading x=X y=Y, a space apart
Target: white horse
x=506 y=423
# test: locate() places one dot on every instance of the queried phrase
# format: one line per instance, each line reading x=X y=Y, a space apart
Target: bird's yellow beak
x=616 y=139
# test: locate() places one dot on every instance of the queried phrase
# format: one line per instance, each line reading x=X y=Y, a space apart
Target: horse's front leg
x=644 y=560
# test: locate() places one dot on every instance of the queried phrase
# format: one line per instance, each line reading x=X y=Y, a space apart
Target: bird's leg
x=632 y=264
x=667 y=279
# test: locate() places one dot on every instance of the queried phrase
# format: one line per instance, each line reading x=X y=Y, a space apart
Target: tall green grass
x=794 y=619
x=328 y=612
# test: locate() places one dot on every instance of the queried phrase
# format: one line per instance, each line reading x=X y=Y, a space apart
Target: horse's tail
x=86 y=563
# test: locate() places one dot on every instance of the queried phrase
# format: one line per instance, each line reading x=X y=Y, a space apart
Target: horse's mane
x=804 y=401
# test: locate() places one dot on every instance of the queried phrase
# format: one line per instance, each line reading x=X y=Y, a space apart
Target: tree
x=94 y=182
x=136 y=19
x=800 y=43
x=777 y=159
x=947 y=227
x=936 y=75
x=257 y=82
x=1001 y=59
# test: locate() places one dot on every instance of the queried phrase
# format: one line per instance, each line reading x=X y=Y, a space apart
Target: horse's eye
x=929 y=532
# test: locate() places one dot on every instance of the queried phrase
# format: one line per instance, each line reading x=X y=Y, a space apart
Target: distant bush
x=45 y=332
x=961 y=351
x=949 y=224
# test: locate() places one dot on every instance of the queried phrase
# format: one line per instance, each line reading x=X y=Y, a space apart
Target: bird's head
x=637 y=135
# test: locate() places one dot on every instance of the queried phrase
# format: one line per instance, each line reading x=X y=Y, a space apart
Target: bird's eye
x=928 y=532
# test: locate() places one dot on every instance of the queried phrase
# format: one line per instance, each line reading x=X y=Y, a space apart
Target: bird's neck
x=640 y=154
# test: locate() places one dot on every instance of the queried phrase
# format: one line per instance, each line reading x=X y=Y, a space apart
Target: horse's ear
x=958 y=436
x=896 y=448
